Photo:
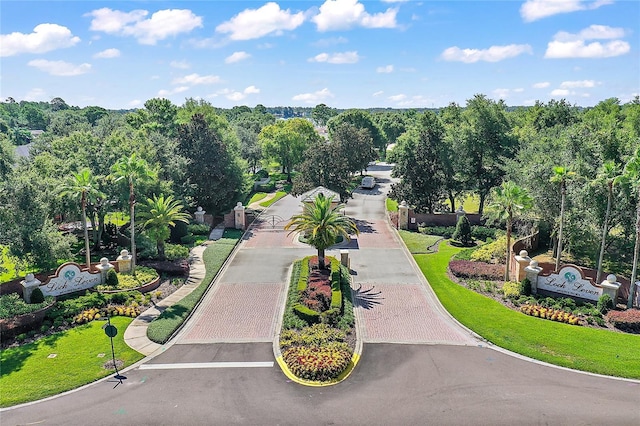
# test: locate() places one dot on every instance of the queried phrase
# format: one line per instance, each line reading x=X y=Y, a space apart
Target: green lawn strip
x=257 y=197
x=279 y=195
x=392 y=205
x=418 y=243
x=581 y=348
x=163 y=327
x=28 y=374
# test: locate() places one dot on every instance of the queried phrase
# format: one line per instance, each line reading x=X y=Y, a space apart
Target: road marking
x=188 y=365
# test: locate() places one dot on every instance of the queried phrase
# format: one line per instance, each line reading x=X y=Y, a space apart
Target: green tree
x=322 y=224
x=286 y=141
x=82 y=186
x=607 y=176
x=214 y=173
x=321 y=114
x=323 y=165
x=507 y=202
x=561 y=176
x=133 y=171
x=462 y=234
x=362 y=120
x=355 y=145
x=631 y=175
x=158 y=214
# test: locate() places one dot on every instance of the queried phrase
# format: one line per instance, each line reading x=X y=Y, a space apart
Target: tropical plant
x=607 y=175
x=159 y=213
x=133 y=170
x=506 y=202
x=561 y=175
x=82 y=185
x=322 y=223
x=631 y=175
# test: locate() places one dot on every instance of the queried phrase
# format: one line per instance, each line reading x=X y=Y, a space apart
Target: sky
x=342 y=53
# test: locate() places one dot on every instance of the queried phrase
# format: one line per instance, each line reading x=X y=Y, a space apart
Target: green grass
x=279 y=195
x=418 y=243
x=163 y=327
x=28 y=374
x=581 y=348
x=392 y=205
x=471 y=203
x=256 y=197
x=117 y=218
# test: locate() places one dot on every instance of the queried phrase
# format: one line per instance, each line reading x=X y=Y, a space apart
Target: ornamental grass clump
x=550 y=314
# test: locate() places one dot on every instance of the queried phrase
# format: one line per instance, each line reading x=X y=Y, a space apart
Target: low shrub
x=628 y=320
x=315 y=335
x=479 y=270
x=188 y=239
x=512 y=290
x=36 y=296
x=69 y=306
x=462 y=233
x=128 y=281
x=198 y=229
x=112 y=278
x=443 y=231
x=318 y=363
x=176 y=251
x=261 y=174
x=605 y=304
x=12 y=305
x=550 y=314
x=483 y=233
x=493 y=252
x=526 y=287
x=307 y=314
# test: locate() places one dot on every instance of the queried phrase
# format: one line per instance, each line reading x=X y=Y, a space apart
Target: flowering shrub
x=479 y=270
x=512 y=290
x=89 y=315
x=315 y=335
x=551 y=314
x=319 y=363
x=493 y=252
x=628 y=320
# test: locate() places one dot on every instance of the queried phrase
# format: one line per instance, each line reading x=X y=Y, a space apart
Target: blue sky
x=344 y=53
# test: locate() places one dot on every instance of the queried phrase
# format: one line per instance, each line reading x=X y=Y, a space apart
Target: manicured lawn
x=581 y=348
x=117 y=218
x=28 y=374
x=392 y=205
x=270 y=201
x=471 y=203
x=256 y=197
x=418 y=243
x=163 y=327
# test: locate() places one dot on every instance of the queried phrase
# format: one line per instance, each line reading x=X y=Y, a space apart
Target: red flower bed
x=628 y=320
x=479 y=270
x=317 y=296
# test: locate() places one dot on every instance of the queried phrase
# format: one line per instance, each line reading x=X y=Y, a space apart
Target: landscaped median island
x=318 y=339
x=583 y=348
x=162 y=328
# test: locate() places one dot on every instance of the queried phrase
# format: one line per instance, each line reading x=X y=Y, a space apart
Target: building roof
x=309 y=196
x=23 y=150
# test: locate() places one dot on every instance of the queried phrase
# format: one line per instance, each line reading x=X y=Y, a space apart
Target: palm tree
x=134 y=170
x=506 y=202
x=82 y=185
x=631 y=175
x=608 y=175
x=159 y=213
x=322 y=224
x=561 y=175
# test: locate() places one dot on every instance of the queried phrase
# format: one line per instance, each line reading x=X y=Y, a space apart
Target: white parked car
x=368 y=182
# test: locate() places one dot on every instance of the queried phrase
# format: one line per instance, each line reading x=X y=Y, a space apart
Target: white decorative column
x=124 y=261
x=199 y=215
x=523 y=260
x=403 y=215
x=239 y=215
x=611 y=286
x=532 y=271
x=28 y=285
x=104 y=267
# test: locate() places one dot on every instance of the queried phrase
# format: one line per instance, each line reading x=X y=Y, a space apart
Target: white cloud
x=251 y=90
x=336 y=58
x=398 y=98
x=314 y=97
x=44 y=38
x=161 y=24
x=344 y=14
x=256 y=23
x=60 y=68
x=560 y=92
x=541 y=85
x=183 y=65
x=107 y=54
x=533 y=10
x=233 y=95
x=36 y=94
x=165 y=93
x=236 y=57
x=492 y=54
x=385 y=70
x=568 y=45
x=135 y=102
x=501 y=93
x=579 y=84
x=378 y=93
x=193 y=79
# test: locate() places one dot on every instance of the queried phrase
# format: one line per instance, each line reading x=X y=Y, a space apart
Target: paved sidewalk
x=136 y=334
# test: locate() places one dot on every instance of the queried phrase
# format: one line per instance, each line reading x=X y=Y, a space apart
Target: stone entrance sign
x=569 y=281
x=69 y=278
